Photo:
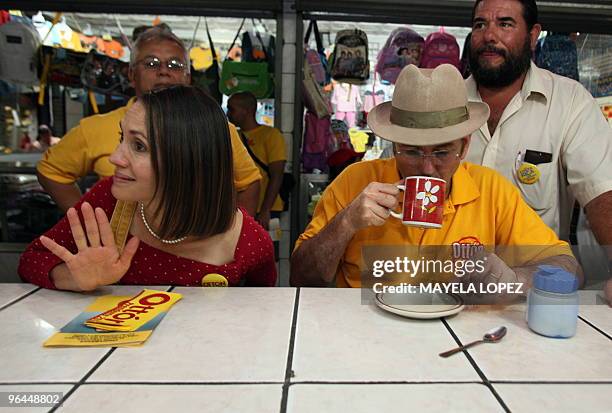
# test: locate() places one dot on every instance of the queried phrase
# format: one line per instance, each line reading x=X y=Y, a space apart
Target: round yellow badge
x=214 y=280
x=528 y=173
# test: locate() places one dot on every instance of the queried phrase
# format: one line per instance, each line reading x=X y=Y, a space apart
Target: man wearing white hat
x=429 y=121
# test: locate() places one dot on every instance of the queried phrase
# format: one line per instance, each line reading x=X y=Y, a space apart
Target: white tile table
x=340 y=339
x=26 y=324
x=525 y=356
x=367 y=398
x=12 y=292
x=301 y=350
x=197 y=398
x=558 y=398
x=598 y=315
x=212 y=335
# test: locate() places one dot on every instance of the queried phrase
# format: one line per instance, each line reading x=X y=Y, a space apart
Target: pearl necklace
x=165 y=241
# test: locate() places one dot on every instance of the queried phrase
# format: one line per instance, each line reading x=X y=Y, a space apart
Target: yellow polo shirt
x=87 y=147
x=483 y=207
x=268 y=145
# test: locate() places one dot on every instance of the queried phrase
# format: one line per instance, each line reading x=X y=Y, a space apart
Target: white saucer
x=422 y=306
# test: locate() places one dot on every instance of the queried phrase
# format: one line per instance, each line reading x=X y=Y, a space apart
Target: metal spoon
x=492 y=336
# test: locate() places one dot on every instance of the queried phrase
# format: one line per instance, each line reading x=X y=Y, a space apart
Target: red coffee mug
x=423 y=202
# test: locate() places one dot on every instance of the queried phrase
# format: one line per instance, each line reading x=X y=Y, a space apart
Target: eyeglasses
x=416 y=157
x=153 y=63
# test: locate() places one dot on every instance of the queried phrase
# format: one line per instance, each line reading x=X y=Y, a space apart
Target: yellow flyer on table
x=77 y=334
x=130 y=315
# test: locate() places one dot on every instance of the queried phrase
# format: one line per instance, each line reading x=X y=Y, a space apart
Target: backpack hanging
x=315 y=100
x=403 y=47
x=316 y=59
x=440 y=47
x=317 y=141
x=259 y=47
x=349 y=62
x=246 y=76
x=208 y=79
x=19 y=44
x=557 y=52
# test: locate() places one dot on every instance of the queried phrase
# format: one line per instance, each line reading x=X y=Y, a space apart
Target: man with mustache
x=429 y=122
x=545 y=133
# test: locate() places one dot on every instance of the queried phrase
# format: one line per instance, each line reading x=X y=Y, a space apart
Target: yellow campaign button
x=214 y=280
x=528 y=173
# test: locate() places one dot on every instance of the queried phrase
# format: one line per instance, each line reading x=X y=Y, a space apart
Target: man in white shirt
x=546 y=133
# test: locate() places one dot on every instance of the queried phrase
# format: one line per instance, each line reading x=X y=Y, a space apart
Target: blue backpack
x=557 y=52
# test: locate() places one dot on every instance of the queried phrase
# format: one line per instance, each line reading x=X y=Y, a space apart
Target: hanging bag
x=440 y=48
x=403 y=47
x=259 y=47
x=245 y=76
x=208 y=79
x=315 y=100
x=557 y=52
x=18 y=47
x=317 y=143
x=316 y=58
x=349 y=62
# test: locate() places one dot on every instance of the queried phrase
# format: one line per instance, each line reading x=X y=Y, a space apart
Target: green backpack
x=246 y=76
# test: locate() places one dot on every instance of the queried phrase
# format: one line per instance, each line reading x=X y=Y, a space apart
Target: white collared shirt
x=556 y=115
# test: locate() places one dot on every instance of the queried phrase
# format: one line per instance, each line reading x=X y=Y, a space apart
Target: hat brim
x=380 y=123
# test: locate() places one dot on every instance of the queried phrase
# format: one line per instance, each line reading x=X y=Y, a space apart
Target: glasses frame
x=167 y=63
x=434 y=156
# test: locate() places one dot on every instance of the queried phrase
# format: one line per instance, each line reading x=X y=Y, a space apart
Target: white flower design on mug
x=428 y=196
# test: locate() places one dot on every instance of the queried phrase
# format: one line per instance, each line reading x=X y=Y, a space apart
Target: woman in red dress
x=174 y=163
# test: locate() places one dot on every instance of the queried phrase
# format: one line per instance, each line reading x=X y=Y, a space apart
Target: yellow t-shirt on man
x=483 y=209
x=268 y=144
x=86 y=148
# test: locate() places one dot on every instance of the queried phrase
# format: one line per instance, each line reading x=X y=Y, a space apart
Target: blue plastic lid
x=555 y=280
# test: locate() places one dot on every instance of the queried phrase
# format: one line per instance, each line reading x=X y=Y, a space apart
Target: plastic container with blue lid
x=552 y=302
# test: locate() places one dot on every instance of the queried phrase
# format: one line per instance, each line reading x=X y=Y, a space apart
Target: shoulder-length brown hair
x=191 y=154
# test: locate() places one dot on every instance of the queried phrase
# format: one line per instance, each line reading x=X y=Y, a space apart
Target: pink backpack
x=440 y=47
x=316 y=58
x=317 y=142
x=403 y=47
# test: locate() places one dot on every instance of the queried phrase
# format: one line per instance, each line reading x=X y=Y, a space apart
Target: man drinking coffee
x=430 y=122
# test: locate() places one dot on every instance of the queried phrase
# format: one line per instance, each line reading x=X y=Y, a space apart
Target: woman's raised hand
x=97 y=261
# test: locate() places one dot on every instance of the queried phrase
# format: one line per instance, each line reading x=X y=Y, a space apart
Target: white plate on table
x=421 y=306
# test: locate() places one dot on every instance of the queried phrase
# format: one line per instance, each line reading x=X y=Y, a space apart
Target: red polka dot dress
x=253 y=263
